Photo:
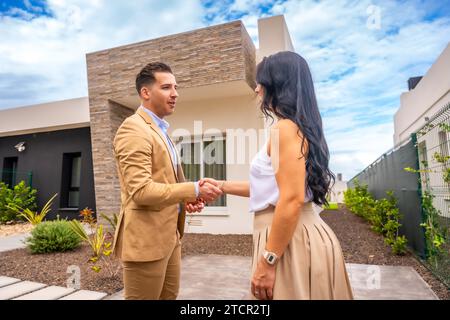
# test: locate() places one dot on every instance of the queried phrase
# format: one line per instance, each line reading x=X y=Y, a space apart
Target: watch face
x=270 y=257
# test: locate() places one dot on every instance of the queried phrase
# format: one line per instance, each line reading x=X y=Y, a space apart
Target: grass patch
x=331 y=206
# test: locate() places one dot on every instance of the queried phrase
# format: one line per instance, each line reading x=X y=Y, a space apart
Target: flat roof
x=51 y=116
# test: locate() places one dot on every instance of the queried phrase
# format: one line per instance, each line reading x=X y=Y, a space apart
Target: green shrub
x=20 y=196
x=383 y=215
x=399 y=245
x=53 y=236
x=360 y=201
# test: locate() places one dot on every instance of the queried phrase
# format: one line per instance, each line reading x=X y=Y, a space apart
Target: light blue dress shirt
x=164 y=125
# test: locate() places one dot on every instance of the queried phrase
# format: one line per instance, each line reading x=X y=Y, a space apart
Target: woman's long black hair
x=289 y=94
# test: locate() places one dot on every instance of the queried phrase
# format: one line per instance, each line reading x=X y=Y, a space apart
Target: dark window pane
x=214 y=156
x=190 y=161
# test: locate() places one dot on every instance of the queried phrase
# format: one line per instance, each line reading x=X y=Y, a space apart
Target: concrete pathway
x=215 y=277
x=13 y=242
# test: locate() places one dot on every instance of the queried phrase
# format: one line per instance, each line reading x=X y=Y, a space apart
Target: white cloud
x=53 y=49
x=353 y=150
x=30 y=7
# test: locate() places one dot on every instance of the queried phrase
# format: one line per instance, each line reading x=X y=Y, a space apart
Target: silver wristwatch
x=270 y=257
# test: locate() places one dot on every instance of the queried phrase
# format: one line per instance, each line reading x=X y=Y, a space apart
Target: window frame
x=208 y=210
x=66 y=180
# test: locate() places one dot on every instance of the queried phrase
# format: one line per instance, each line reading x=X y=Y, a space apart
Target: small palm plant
x=100 y=247
x=34 y=217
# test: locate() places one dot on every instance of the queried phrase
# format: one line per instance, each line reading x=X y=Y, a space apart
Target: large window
x=204 y=158
x=70 y=195
x=9 y=171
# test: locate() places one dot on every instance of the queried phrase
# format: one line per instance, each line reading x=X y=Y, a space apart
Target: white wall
x=273 y=36
x=337 y=192
x=431 y=94
x=232 y=113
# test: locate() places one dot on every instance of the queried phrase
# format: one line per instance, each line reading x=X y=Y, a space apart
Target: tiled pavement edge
x=15 y=289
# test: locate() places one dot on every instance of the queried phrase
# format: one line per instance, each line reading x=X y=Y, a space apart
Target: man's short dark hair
x=147 y=75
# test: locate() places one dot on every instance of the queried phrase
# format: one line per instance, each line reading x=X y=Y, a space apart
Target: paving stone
x=19 y=288
x=373 y=282
x=48 y=293
x=85 y=295
x=6 y=281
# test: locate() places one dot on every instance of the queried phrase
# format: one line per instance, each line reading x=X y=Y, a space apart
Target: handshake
x=209 y=190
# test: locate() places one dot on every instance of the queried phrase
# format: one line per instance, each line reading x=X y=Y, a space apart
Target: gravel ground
x=11 y=229
x=361 y=245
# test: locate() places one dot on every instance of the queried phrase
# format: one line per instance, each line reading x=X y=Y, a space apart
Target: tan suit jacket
x=151 y=191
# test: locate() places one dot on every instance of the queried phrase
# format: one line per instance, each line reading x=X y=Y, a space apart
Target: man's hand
x=197 y=206
x=209 y=190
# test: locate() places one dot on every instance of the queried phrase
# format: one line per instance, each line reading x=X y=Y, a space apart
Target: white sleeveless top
x=263 y=185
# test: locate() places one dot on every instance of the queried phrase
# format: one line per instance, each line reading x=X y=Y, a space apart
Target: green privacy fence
x=387 y=174
x=13 y=177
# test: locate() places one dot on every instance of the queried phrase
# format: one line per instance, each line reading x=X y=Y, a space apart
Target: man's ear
x=145 y=92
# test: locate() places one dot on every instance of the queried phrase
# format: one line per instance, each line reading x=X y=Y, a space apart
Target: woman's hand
x=263 y=280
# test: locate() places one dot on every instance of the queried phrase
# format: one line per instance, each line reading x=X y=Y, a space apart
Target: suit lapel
x=158 y=131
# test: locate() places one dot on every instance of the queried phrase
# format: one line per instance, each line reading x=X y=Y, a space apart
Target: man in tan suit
x=154 y=193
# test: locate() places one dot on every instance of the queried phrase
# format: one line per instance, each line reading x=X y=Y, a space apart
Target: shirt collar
x=162 y=124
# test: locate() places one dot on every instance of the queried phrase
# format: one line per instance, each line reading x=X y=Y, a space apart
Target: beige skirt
x=312 y=266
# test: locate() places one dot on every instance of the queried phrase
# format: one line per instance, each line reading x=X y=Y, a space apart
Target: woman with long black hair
x=295 y=254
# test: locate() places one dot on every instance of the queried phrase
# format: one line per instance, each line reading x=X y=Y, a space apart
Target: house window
x=205 y=158
x=9 y=172
x=70 y=195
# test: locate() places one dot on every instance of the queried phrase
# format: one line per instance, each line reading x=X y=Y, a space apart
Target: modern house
x=338 y=189
x=49 y=147
x=66 y=146
x=426 y=96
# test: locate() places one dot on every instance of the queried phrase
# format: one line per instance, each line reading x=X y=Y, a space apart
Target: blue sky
x=359 y=70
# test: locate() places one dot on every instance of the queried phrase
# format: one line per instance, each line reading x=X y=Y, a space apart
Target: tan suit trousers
x=153 y=280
